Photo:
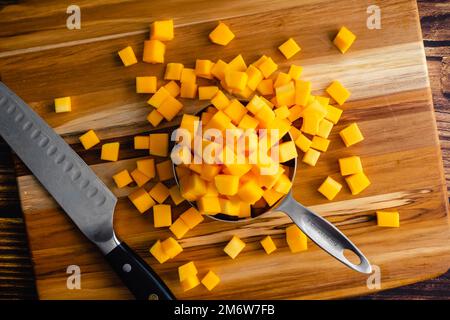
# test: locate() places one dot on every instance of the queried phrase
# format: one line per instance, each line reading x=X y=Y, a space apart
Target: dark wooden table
x=16 y=271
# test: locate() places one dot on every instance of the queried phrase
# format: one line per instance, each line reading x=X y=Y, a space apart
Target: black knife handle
x=137 y=275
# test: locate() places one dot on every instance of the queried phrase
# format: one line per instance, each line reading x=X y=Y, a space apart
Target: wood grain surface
x=391 y=103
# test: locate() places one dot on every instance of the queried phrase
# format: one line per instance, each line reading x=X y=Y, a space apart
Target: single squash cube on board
x=221 y=35
x=110 y=151
x=162 y=215
x=122 y=179
x=351 y=135
x=350 y=165
x=154 y=51
x=141 y=142
x=158 y=252
x=165 y=170
x=155 y=118
x=207 y=92
x=147 y=167
x=63 y=105
x=268 y=245
x=188 y=75
x=325 y=127
x=175 y=195
x=186 y=270
x=344 y=39
x=146 y=84
x=179 y=228
x=234 y=247
x=302 y=142
x=159 y=192
x=210 y=280
x=171 y=247
x=173 y=71
x=139 y=177
x=357 y=182
x=320 y=143
x=311 y=157
x=159 y=144
x=89 y=139
x=388 y=219
x=338 y=92
x=173 y=88
x=295 y=71
x=203 y=68
x=268 y=67
x=141 y=200
x=162 y=30
x=158 y=98
x=289 y=48
x=330 y=188
x=192 y=217
x=127 y=56
x=296 y=239
x=333 y=114
x=209 y=205
x=302 y=92
x=190 y=283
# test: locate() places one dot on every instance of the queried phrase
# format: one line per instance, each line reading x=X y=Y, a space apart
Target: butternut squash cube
x=350 y=165
x=258 y=62
x=344 y=39
x=192 y=217
x=283 y=184
x=265 y=87
x=254 y=77
x=122 y=179
x=188 y=75
x=186 y=270
x=171 y=247
x=265 y=116
x=333 y=114
x=211 y=280
x=158 y=252
x=110 y=151
x=227 y=184
x=203 y=68
x=63 y=105
x=357 y=182
x=296 y=239
x=165 y=170
x=302 y=92
x=235 y=111
x=127 y=56
x=388 y=219
x=192 y=187
x=207 y=93
x=171 y=106
x=248 y=122
x=139 y=177
x=295 y=134
x=173 y=88
x=182 y=171
x=351 y=135
x=209 y=171
x=141 y=142
x=162 y=215
x=220 y=100
x=295 y=71
x=256 y=104
x=141 y=200
x=338 y=92
x=188 y=90
x=250 y=192
x=89 y=139
x=162 y=30
x=237 y=64
x=269 y=180
x=175 y=195
x=234 y=247
x=147 y=167
x=295 y=112
x=230 y=207
x=158 y=98
x=303 y=143
x=146 y=84
x=221 y=35
x=320 y=143
x=236 y=79
x=287 y=151
x=209 y=205
x=271 y=196
x=311 y=157
x=268 y=244
x=159 y=144
x=155 y=118
x=190 y=283
x=219 y=121
x=245 y=210
x=285 y=94
x=289 y=48
x=173 y=71
x=282 y=112
x=268 y=67
x=324 y=101
x=159 y=192
x=154 y=51
x=311 y=123
x=218 y=69
x=325 y=127
x=330 y=188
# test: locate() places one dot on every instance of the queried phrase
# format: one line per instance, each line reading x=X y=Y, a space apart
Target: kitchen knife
x=76 y=188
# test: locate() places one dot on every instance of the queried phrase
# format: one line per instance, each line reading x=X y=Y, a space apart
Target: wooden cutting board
x=385 y=70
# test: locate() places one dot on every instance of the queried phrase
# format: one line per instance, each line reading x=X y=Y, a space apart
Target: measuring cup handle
x=324 y=234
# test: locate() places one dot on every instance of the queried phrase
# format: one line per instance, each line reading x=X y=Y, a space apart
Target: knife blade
x=76 y=188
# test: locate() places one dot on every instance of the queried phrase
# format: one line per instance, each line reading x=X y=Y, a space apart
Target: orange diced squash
x=351 y=135
x=158 y=98
x=170 y=106
x=110 y=151
x=190 y=283
x=147 y=167
x=320 y=143
x=141 y=142
x=139 y=177
x=207 y=92
x=162 y=30
x=330 y=188
x=158 y=252
x=311 y=157
x=159 y=192
x=221 y=35
x=338 y=92
x=268 y=67
x=388 y=219
x=192 y=217
x=63 y=104
x=296 y=239
x=268 y=244
x=227 y=184
x=162 y=215
x=287 y=151
x=179 y=228
x=127 y=56
x=159 y=144
x=302 y=92
x=186 y=270
x=203 y=68
x=234 y=247
x=295 y=71
x=165 y=170
x=175 y=195
x=220 y=100
x=209 y=205
x=265 y=87
x=344 y=39
x=357 y=182
x=154 y=51
x=89 y=139
x=146 y=84
x=289 y=48
x=250 y=192
x=350 y=165
x=173 y=71
x=155 y=118
x=211 y=280
x=141 y=200
x=122 y=179
x=171 y=247
x=303 y=143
